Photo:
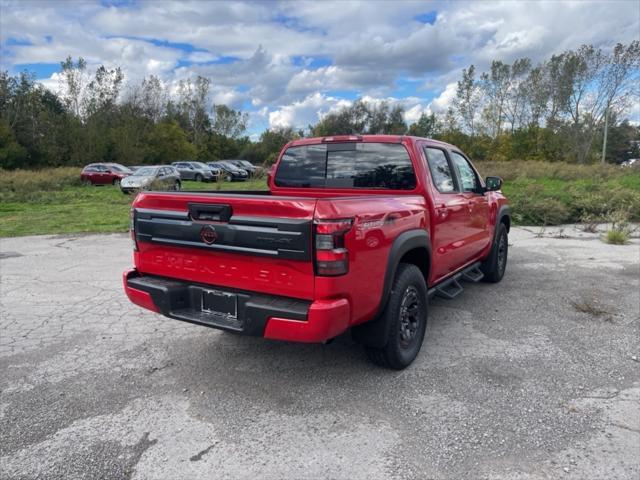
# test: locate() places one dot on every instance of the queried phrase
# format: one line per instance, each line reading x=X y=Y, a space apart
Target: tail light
x=332 y=258
x=132 y=229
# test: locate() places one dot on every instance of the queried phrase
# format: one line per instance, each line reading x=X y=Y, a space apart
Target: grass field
x=78 y=208
x=53 y=201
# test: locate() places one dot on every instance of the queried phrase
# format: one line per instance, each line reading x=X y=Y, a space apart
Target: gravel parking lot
x=534 y=378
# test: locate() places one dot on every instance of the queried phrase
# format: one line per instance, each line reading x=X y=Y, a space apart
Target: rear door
x=451 y=215
x=256 y=243
x=478 y=233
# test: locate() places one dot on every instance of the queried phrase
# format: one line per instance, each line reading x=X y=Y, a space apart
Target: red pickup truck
x=355 y=232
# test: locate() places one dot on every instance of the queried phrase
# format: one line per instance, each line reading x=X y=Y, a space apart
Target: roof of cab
x=365 y=139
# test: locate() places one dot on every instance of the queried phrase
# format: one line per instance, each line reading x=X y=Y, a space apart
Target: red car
x=104 y=174
x=355 y=232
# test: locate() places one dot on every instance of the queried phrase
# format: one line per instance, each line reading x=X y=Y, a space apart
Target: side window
x=466 y=174
x=440 y=171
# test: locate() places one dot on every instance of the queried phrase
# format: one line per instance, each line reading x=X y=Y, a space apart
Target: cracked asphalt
x=534 y=378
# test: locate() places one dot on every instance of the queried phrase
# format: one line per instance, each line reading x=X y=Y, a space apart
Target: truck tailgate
x=253 y=242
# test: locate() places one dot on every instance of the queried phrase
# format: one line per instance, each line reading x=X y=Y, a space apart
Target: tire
x=116 y=182
x=177 y=186
x=198 y=177
x=86 y=182
x=496 y=263
x=406 y=315
x=229 y=178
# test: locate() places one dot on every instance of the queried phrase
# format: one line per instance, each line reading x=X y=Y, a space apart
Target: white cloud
x=445 y=99
x=338 y=78
x=366 y=48
x=202 y=57
x=300 y=114
x=413 y=114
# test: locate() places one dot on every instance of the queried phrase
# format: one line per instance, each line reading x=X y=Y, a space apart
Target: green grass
x=53 y=201
x=81 y=209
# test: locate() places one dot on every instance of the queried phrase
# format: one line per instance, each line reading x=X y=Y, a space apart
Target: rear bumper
x=278 y=318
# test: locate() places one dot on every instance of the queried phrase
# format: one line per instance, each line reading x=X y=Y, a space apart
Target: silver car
x=197 y=171
x=152 y=178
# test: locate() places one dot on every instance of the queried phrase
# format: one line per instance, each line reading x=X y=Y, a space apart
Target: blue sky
x=287 y=63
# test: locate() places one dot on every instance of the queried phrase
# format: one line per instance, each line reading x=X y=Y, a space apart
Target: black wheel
x=406 y=314
x=86 y=182
x=496 y=264
x=116 y=182
x=177 y=186
x=198 y=177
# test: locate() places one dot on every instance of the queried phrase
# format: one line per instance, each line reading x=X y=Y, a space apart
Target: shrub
x=542 y=211
x=616 y=237
x=512 y=170
x=620 y=228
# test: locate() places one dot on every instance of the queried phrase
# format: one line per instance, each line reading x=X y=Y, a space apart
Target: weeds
x=616 y=237
x=532 y=170
x=620 y=228
x=590 y=223
x=25 y=182
x=590 y=307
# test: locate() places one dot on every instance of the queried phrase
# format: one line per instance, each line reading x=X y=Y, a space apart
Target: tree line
x=553 y=111
x=93 y=118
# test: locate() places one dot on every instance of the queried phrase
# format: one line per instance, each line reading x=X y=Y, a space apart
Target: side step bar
x=451 y=287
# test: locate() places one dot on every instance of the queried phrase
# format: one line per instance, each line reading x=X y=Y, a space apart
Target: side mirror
x=493 y=183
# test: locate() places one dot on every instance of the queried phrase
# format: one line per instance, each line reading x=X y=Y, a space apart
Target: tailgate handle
x=210 y=212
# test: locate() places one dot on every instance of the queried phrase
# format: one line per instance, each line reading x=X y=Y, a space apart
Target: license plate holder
x=216 y=302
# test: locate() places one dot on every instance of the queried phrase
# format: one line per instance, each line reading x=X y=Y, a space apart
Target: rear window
x=347 y=165
x=146 y=171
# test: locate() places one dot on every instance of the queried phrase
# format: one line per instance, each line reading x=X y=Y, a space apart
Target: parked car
x=217 y=172
x=133 y=168
x=158 y=177
x=197 y=171
x=355 y=232
x=104 y=173
x=252 y=169
x=229 y=171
